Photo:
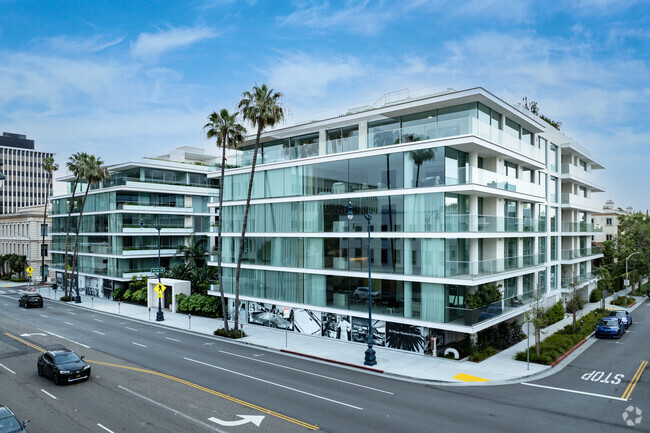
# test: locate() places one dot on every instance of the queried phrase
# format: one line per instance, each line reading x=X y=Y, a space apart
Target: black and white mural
x=406 y=337
x=336 y=326
x=360 y=331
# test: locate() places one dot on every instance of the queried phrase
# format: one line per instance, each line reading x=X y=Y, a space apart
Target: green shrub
x=20 y=280
x=66 y=298
x=127 y=295
x=199 y=304
x=595 y=295
x=483 y=354
x=499 y=337
x=623 y=301
x=231 y=333
x=555 y=313
x=139 y=296
x=118 y=293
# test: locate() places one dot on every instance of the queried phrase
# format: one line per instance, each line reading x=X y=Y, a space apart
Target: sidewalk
x=499 y=368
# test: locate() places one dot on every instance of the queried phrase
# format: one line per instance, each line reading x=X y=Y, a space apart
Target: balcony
x=581 y=253
x=431 y=131
x=577 y=202
x=492 y=224
x=485 y=268
x=580 y=227
x=467 y=317
x=490 y=179
x=572 y=172
x=580 y=280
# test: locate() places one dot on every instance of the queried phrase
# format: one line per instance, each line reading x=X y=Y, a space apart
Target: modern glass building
x=464 y=190
x=112 y=246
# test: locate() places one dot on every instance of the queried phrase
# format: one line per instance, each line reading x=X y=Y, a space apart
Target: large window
x=342 y=139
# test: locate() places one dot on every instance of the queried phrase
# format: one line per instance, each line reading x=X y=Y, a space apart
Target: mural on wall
x=360 y=330
x=336 y=326
x=92 y=286
x=405 y=337
x=243 y=315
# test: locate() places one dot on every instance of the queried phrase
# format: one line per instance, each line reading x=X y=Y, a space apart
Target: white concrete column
x=322 y=142
x=408 y=286
x=363 y=134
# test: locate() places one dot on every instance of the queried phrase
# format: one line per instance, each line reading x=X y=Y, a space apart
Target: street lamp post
x=627 y=278
x=370 y=358
x=160 y=317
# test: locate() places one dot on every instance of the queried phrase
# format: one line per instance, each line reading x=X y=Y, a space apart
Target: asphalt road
x=151 y=378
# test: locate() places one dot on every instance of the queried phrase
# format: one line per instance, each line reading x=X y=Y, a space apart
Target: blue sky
x=129 y=79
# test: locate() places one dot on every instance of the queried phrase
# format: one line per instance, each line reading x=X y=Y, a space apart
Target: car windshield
x=609 y=322
x=617 y=313
x=9 y=424
x=65 y=358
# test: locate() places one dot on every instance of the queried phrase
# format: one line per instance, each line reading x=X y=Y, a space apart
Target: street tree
x=261 y=107
x=50 y=167
x=229 y=134
x=575 y=303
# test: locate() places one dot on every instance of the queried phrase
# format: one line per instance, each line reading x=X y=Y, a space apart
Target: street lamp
x=370 y=358
x=627 y=278
x=159 y=315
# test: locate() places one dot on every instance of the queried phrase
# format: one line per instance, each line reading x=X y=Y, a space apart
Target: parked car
x=9 y=423
x=362 y=293
x=625 y=317
x=63 y=366
x=31 y=300
x=610 y=327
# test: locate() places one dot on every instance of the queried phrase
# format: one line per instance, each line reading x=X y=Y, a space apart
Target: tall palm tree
x=75 y=164
x=94 y=172
x=194 y=252
x=229 y=133
x=50 y=167
x=262 y=109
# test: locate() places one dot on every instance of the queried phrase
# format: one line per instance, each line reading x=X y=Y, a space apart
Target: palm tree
x=419 y=158
x=262 y=109
x=75 y=164
x=194 y=253
x=229 y=133
x=94 y=172
x=50 y=167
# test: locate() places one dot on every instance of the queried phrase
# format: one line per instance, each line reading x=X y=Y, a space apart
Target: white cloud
x=150 y=46
x=77 y=46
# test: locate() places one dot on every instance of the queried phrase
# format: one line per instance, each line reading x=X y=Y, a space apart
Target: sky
x=123 y=80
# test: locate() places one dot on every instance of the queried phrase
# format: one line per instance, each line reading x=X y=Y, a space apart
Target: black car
x=31 y=300
x=9 y=423
x=63 y=366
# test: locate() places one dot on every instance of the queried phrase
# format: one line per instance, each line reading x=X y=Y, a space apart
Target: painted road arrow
x=35 y=333
x=245 y=419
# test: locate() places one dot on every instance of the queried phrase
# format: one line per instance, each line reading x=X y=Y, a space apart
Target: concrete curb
x=333 y=361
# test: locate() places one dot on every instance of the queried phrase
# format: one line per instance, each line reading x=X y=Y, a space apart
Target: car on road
x=31 y=300
x=625 y=317
x=63 y=366
x=610 y=326
x=9 y=423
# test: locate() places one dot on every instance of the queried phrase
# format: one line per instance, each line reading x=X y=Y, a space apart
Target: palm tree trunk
x=243 y=231
x=67 y=239
x=47 y=196
x=76 y=241
x=219 y=271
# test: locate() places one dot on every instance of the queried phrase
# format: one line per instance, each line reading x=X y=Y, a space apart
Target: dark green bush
x=623 y=301
x=139 y=296
x=595 y=295
x=555 y=313
x=499 y=337
x=127 y=295
x=66 y=298
x=231 y=333
x=118 y=293
x=20 y=280
x=5 y=277
x=483 y=354
x=199 y=304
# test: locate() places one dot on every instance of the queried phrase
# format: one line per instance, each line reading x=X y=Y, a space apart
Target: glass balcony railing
x=467 y=269
x=580 y=253
x=493 y=224
x=568 y=226
x=122 y=180
x=478 y=176
x=580 y=279
x=579 y=202
x=469 y=317
x=391 y=136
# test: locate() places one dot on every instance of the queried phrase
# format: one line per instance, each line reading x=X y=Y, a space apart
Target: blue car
x=626 y=318
x=610 y=327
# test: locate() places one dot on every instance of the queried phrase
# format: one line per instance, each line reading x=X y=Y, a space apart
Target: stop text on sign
x=603 y=377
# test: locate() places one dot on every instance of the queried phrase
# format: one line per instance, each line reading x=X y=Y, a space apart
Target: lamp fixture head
x=141 y=223
x=350 y=213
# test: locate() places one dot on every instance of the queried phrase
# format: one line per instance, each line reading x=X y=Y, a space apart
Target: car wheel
x=40 y=371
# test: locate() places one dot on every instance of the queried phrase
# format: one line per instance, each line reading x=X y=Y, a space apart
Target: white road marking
x=73 y=313
x=100 y=333
x=71 y=341
x=138 y=344
x=43 y=315
x=68 y=323
x=99 y=320
x=6 y=305
x=49 y=394
x=174 y=411
x=173 y=339
x=131 y=329
x=308 y=372
x=274 y=384
x=8 y=369
x=574 y=391
x=244 y=419
x=110 y=431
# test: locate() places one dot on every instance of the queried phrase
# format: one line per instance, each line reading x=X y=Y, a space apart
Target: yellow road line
x=469 y=378
x=40 y=349
x=635 y=380
x=213 y=392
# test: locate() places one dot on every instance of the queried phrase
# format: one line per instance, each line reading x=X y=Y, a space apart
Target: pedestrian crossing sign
x=160 y=288
x=29 y=270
